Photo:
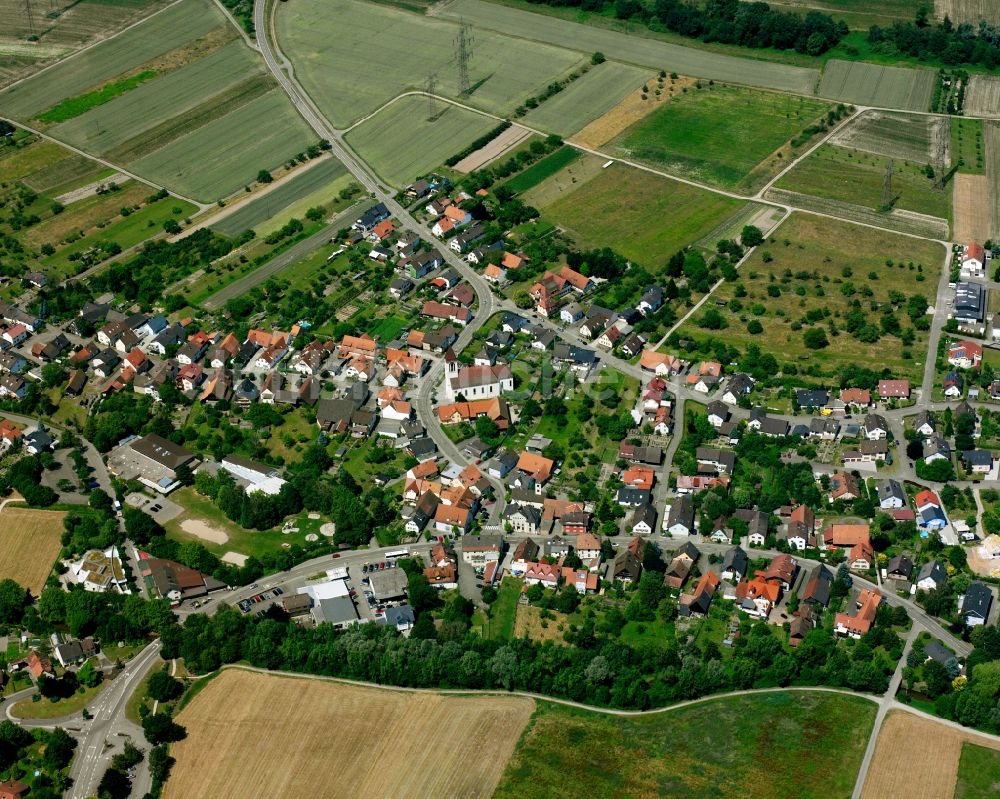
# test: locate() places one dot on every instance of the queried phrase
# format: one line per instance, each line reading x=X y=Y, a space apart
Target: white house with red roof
x=965 y=354
x=973 y=260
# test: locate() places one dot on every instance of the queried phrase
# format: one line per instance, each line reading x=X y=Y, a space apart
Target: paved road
x=887 y=703
x=285 y=259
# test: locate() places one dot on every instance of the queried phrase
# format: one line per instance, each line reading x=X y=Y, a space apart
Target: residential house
x=965 y=354
x=680 y=519
x=899 y=567
x=973 y=260
x=522 y=519
x=719 y=461
x=931 y=575
x=844 y=486
x=875 y=427
x=975 y=604
x=866 y=607
x=734 y=564
x=860 y=397
x=812 y=398
x=662 y=363
x=697 y=602
x=757 y=597
x=891 y=494
x=800 y=531
x=650 y=301
x=643 y=521
x=739 y=385
x=626 y=567
x=954 y=385
x=978 y=461
x=816 y=590
x=925 y=424
x=893 y=389
x=718 y=414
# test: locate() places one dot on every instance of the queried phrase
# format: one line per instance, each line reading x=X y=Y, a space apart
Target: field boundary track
x=610 y=711
x=201 y=206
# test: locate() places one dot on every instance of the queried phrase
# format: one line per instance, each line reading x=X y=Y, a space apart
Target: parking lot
x=161 y=509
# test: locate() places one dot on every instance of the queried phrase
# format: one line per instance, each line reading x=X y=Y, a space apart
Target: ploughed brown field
x=254 y=734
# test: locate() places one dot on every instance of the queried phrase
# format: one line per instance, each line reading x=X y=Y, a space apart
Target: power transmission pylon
x=887 y=187
x=431 y=85
x=31 y=22
x=463 y=54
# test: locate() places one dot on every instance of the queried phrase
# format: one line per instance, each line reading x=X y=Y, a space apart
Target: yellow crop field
x=29 y=543
x=254 y=734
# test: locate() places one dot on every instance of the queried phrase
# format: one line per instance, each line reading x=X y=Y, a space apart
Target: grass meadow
x=978 y=773
x=717 y=134
x=645 y=217
x=874 y=85
x=839 y=173
x=353 y=57
x=221 y=156
x=812 y=263
x=967 y=145
x=163 y=32
x=401 y=143
x=588 y=97
x=807 y=745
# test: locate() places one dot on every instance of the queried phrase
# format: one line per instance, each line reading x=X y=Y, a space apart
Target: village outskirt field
x=924 y=754
x=29 y=544
x=809 y=267
x=255 y=734
x=776 y=744
x=647 y=223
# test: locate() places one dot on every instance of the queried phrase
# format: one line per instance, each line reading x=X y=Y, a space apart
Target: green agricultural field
x=106 y=127
x=640 y=50
x=161 y=33
x=310 y=179
x=173 y=128
x=218 y=158
x=587 y=98
x=803 y=744
x=400 y=143
x=893 y=135
x=967 y=145
x=644 y=217
x=871 y=84
x=80 y=104
x=717 y=134
x=389 y=51
x=978 y=773
x=543 y=169
x=17 y=163
x=853 y=176
x=815 y=269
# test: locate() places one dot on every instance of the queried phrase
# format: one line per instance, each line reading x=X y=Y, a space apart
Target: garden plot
x=874 y=85
x=173 y=28
x=389 y=51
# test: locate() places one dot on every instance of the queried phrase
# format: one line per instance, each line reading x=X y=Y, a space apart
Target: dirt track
x=507 y=140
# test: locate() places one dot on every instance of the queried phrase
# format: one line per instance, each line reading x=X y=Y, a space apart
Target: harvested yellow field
x=971 y=207
x=968 y=11
x=627 y=113
x=255 y=734
x=983 y=96
x=29 y=544
x=919 y=753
